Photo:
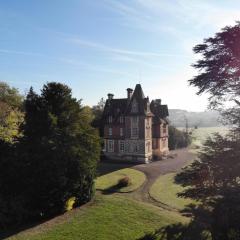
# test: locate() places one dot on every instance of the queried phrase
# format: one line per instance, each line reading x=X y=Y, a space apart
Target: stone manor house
x=134 y=129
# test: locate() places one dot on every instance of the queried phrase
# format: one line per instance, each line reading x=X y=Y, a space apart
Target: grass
x=109 y=217
x=110 y=180
x=201 y=134
x=164 y=190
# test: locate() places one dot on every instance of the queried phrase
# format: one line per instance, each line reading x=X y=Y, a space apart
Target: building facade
x=134 y=129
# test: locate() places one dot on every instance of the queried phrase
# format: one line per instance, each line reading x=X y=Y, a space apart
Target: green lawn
x=107 y=181
x=200 y=135
x=165 y=191
x=109 y=217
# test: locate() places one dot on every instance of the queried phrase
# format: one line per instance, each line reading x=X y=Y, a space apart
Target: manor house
x=134 y=129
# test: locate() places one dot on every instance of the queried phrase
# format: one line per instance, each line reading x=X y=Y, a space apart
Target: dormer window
x=110 y=119
x=134 y=106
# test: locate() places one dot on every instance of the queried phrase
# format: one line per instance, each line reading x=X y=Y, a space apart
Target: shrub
x=124 y=182
x=70 y=203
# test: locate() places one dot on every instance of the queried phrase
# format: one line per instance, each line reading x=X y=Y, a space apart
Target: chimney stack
x=158 y=101
x=129 y=93
x=110 y=96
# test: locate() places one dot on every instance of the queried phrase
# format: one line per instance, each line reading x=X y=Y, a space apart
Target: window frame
x=111 y=143
x=121 y=132
x=121 y=146
x=110 y=131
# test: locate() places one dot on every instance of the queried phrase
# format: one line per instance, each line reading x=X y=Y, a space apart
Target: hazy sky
x=102 y=46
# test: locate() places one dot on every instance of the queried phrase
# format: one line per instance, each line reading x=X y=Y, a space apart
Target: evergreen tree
x=97 y=111
x=60 y=150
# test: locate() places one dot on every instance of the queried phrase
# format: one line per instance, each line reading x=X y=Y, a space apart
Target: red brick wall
x=115 y=131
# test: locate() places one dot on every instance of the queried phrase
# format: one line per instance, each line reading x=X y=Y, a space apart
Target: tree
x=178 y=139
x=56 y=158
x=62 y=148
x=213 y=179
x=11 y=115
x=10 y=96
x=219 y=66
x=97 y=112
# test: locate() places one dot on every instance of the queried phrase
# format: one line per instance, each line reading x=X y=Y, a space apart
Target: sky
x=106 y=46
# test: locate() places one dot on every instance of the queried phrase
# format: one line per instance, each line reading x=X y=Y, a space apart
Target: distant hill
x=178 y=118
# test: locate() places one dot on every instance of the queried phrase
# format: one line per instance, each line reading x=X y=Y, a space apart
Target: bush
x=124 y=182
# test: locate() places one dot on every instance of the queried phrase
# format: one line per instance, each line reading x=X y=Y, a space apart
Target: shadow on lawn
x=111 y=190
x=18 y=229
x=197 y=229
x=124 y=182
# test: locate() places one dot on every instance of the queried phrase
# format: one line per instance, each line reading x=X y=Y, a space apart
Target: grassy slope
x=165 y=191
x=109 y=180
x=201 y=134
x=110 y=217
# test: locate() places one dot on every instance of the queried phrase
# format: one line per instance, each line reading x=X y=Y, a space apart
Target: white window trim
x=121 y=143
x=121 y=119
x=134 y=125
x=111 y=143
x=121 y=132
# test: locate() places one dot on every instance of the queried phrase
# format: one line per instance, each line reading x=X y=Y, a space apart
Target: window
x=134 y=106
x=134 y=120
x=148 y=127
x=135 y=148
x=148 y=147
x=164 y=128
x=121 y=119
x=164 y=143
x=135 y=132
x=121 y=146
x=110 y=131
x=110 y=119
x=134 y=127
x=148 y=132
x=121 y=132
x=110 y=145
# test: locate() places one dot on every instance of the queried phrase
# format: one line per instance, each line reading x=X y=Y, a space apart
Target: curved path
x=179 y=159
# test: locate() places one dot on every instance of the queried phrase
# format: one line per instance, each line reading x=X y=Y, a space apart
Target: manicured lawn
x=110 y=180
x=165 y=191
x=109 y=217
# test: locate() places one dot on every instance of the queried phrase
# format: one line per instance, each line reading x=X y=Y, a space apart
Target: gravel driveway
x=153 y=170
x=178 y=159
